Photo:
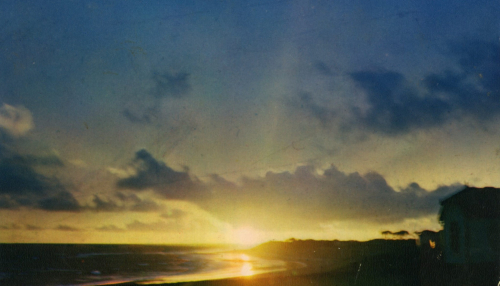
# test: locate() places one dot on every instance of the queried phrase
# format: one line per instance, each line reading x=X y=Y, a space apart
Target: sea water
x=79 y=264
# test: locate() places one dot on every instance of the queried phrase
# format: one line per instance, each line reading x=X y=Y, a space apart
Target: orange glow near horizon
x=246 y=236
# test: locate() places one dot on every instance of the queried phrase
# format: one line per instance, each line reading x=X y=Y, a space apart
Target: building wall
x=468 y=240
x=480 y=244
x=454 y=235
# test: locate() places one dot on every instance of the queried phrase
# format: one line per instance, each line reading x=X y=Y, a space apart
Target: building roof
x=475 y=202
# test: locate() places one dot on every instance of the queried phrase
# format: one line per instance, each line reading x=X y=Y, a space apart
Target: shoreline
x=327 y=263
x=349 y=275
x=294 y=269
x=314 y=273
x=277 y=278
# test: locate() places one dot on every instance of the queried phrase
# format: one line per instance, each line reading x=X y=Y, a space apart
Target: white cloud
x=16 y=121
x=122 y=173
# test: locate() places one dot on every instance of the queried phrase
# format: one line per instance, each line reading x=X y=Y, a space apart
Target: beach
x=352 y=275
x=296 y=262
x=330 y=263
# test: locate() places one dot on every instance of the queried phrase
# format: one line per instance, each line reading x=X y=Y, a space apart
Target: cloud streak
x=66 y=228
x=166 y=85
x=139 y=119
x=175 y=85
x=122 y=202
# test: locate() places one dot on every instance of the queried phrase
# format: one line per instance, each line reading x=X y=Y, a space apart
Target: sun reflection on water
x=246 y=269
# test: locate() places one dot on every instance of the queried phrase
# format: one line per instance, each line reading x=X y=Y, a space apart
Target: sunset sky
x=242 y=121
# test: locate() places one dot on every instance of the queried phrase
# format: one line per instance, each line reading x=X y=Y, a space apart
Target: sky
x=242 y=121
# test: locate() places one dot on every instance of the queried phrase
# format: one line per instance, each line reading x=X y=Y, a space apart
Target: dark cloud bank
x=302 y=196
x=396 y=107
x=22 y=186
x=153 y=174
x=21 y=182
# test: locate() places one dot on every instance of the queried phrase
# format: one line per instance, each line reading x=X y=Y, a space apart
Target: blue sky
x=329 y=117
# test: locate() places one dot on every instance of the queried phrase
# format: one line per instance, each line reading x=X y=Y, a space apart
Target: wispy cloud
x=165 y=85
x=33 y=227
x=66 y=228
x=145 y=118
x=10 y=226
x=110 y=227
x=169 y=84
x=121 y=202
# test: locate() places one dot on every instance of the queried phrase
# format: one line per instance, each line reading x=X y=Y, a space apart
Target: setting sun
x=246 y=236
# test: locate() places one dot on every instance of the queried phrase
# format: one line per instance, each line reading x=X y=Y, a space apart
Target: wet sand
x=353 y=274
x=328 y=278
x=332 y=263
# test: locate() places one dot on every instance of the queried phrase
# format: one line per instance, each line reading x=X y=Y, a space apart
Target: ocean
x=84 y=264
